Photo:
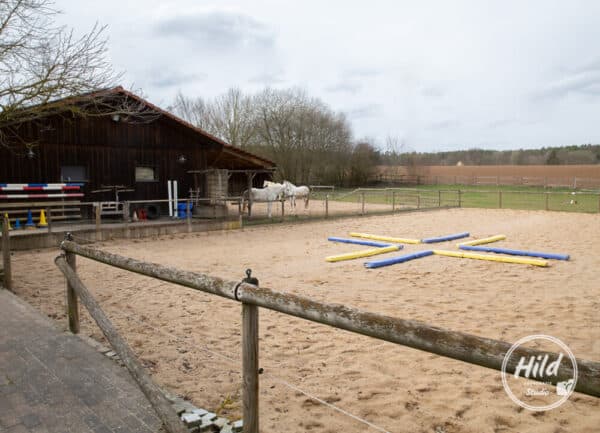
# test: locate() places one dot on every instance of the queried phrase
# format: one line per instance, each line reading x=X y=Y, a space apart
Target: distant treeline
x=309 y=142
x=564 y=155
x=313 y=144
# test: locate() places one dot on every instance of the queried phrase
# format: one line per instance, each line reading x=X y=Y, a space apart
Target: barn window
x=73 y=173
x=145 y=174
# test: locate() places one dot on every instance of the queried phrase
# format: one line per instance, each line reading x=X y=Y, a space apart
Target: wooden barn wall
x=110 y=151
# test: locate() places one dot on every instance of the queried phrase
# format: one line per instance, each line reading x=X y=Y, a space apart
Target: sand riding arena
x=317 y=378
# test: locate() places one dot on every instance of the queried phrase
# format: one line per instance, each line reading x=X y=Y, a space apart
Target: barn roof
x=230 y=151
x=263 y=162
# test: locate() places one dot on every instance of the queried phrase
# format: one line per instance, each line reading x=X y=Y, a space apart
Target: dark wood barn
x=141 y=147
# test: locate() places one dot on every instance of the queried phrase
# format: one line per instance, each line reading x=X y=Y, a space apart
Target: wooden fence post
x=98 y=220
x=72 y=301
x=250 y=367
x=418 y=200
x=188 y=214
x=49 y=219
x=6 y=255
x=326 y=205
x=283 y=209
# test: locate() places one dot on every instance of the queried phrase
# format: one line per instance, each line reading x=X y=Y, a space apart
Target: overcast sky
x=440 y=75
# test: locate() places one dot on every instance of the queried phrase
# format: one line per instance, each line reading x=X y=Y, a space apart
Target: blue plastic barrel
x=182 y=210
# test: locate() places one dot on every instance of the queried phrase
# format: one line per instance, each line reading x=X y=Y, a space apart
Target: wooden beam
x=465 y=347
x=72 y=301
x=160 y=404
x=6 y=262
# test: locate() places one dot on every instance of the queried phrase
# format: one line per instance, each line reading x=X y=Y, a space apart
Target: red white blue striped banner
x=10 y=196
x=40 y=186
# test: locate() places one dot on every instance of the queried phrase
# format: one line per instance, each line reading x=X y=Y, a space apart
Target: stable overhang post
x=170 y=198
x=175 y=210
x=250 y=177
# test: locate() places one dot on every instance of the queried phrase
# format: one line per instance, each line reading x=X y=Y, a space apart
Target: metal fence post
x=459 y=198
x=6 y=254
x=500 y=199
x=250 y=367
x=547 y=195
x=283 y=209
x=362 y=196
x=326 y=205
x=393 y=201
x=439 y=198
x=418 y=200
x=72 y=301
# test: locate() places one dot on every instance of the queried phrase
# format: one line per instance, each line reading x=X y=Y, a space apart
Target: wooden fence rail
x=457 y=345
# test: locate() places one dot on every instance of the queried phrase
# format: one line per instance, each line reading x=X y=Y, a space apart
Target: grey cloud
x=585 y=81
x=268 y=78
x=369 y=110
x=344 y=87
x=218 y=30
x=166 y=79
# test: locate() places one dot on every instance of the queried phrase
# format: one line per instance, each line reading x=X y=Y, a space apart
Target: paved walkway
x=52 y=381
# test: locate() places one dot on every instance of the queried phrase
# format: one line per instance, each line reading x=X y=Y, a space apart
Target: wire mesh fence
x=323 y=203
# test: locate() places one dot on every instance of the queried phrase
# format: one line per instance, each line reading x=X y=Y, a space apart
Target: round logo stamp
x=530 y=386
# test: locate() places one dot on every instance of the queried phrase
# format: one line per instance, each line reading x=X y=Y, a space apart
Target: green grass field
x=476 y=196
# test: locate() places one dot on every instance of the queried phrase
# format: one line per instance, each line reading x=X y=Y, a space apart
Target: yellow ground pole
x=385 y=238
x=493 y=258
x=362 y=253
x=483 y=240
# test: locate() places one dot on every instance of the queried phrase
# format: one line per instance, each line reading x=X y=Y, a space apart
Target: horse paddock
x=314 y=375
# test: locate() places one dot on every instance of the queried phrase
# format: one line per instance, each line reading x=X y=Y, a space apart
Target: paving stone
x=199 y=411
x=52 y=381
x=209 y=416
x=191 y=419
x=30 y=420
x=227 y=428
x=180 y=408
x=220 y=422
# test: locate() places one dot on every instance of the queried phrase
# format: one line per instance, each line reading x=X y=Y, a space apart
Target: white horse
x=268 y=183
x=292 y=191
x=269 y=194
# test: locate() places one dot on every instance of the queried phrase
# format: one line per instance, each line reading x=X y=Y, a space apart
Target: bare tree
x=41 y=62
x=194 y=110
x=309 y=142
